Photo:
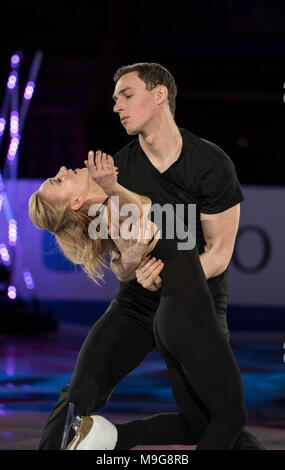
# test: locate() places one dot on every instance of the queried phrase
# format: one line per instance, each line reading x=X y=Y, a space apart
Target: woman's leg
x=185 y=326
x=188 y=426
x=115 y=346
x=184 y=428
x=213 y=383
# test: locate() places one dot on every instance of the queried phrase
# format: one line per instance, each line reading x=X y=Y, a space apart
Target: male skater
x=170 y=165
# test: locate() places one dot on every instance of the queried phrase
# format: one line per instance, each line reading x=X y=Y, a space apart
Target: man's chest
x=172 y=186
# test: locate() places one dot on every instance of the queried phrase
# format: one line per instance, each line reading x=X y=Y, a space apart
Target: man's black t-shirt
x=203 y=175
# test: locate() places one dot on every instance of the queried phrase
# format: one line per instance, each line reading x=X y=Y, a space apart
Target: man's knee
x=235 y=417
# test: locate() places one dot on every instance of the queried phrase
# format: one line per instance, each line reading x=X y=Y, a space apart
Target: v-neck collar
x=154 y=169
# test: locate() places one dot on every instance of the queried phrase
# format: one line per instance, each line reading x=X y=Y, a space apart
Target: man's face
x=135 y=104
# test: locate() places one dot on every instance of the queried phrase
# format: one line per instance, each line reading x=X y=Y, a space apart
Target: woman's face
x=75 y=186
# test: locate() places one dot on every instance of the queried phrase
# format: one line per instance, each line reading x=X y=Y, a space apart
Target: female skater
x=197 y=354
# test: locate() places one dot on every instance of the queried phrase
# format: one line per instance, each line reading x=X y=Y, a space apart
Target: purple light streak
x=12 y=80
x=2 y=186
x=28 y=280
x=14 y=124
x=2 y=125
x=12 y=232
x=4 y=254
x=15 y=59
x=12 y=292
x=29 y=90
x=13 y=148
x=17 y=120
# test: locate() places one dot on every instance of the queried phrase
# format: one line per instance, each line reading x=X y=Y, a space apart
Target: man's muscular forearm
x=219 y=232
x=213 y=263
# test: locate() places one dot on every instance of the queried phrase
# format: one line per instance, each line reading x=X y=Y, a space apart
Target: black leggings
x=203 y=374
x=198 y=356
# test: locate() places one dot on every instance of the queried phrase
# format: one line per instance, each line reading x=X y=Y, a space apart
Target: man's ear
x=161 y=94
x=76 y=202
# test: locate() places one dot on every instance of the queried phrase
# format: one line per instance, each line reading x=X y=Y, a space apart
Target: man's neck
x=163 y=143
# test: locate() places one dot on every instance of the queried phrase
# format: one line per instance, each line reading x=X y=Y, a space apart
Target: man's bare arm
x=219 y=231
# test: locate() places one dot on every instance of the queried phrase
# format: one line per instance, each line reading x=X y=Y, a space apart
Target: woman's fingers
x=98 y=160
x=102 y=161
x=111 y=162
x=111 y=165
x=106 y=164
x=90 y=161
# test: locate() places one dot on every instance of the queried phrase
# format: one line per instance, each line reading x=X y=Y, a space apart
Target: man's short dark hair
x=152 y=74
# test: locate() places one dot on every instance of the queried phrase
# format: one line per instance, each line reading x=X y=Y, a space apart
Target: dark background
x=227 y=58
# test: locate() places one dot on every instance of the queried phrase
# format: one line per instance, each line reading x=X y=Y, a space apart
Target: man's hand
x=132 y=248
x=102 y=170
x=148 y=272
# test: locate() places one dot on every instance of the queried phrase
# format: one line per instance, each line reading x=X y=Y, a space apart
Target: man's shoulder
x=205 y=151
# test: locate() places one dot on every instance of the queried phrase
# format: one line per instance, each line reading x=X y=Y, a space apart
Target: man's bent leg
x=115 y=346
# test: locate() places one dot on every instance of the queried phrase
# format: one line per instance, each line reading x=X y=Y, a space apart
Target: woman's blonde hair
x=71 y=231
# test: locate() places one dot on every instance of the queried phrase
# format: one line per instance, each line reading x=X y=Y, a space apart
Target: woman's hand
x=102 y=170
x=148 y=272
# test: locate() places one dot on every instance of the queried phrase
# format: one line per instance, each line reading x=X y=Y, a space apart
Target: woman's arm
x=102 y=171
x=124 y=272
x=134 y=247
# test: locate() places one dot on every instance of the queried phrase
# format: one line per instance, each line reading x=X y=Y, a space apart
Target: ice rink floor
x=33 y=369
